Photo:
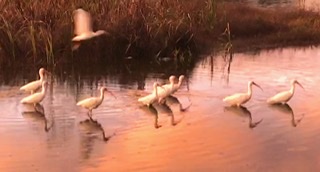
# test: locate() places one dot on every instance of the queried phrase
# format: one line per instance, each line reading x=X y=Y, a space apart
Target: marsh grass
x=37 y=33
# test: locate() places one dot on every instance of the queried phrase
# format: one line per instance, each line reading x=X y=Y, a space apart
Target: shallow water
x=207 y=136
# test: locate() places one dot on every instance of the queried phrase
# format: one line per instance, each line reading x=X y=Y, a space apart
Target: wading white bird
x=241 y=98
x=93 y=102
x=35 y=85
x=83 y=28
x=178 y=85
x=285 y=96
x=36 y=97
x=149 y=99
x=169 y=87
x=166 y=90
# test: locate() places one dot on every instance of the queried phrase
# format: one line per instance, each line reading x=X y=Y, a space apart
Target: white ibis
x=93 y=102
x=241 y=98
x=36 y=97
x=178 y=85
x=168 y=89
x=149 y=99
x=284 y=96
x=83 y=28
x=35 y=85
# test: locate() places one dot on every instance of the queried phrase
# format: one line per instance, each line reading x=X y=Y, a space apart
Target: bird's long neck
x=249 y=90
x=292 y=88
x=172 y=85
x=101 y=95
x=44 y=89
x=179 y=83
x=41 y=77
x=155 y=90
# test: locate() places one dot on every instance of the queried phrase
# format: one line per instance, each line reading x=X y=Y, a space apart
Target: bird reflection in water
x=170 y=107
x=285 y=108
x=244 y=112
x=38 y=115
x=175 y=105
x=91 y=132
x=92 y=127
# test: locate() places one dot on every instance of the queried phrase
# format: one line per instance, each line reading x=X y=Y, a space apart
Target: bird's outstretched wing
x=82 y=21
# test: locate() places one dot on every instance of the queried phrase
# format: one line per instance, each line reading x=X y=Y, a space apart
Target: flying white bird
x=241 y=98
x=93 y=102
x=36 y=97
x=35 y=85
x=83 y=28
x=284 y=96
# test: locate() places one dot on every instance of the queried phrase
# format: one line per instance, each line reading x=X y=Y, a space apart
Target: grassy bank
x=40 y=33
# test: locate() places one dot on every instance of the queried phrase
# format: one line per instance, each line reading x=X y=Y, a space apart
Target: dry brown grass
x=40 y=33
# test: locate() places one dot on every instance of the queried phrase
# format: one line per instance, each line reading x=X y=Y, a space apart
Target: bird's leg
x=90 y=116
x=156 y=125
x=173 y=123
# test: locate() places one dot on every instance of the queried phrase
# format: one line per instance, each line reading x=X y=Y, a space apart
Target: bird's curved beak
x=112 y=94
x=299 y=84
x=257 y=85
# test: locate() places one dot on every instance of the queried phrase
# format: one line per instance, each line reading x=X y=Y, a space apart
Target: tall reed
x=40 y=33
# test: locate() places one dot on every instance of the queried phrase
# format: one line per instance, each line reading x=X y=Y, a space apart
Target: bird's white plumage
x=284 y=96
x=171 y=88
x=150 y=98
x=237 y=99
x=93 y=102
x=178 y=85
x=36 y=97
x=82 y=22
x=35 y=85
x=240 y=98
x=90 y=103
x=83 y=27
x=167 y=89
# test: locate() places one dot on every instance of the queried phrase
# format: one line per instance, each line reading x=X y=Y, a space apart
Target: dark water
x=207 y=136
